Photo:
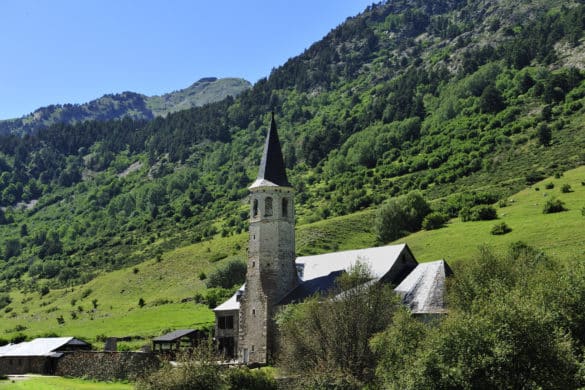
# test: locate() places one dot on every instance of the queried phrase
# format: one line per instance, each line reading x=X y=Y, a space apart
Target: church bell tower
x=271 y=270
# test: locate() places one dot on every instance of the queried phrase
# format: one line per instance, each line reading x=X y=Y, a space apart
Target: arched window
x=285 y=207
x=255 y=208
x=268 y=207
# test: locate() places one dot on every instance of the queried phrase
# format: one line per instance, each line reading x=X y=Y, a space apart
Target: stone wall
x=106 y=365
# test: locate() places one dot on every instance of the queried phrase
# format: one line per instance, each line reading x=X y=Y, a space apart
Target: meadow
x=168 y=284
x=56 y=383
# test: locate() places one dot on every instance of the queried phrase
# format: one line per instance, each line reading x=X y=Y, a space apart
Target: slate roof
x=319 y=271
x=311 y=287
x=175 y=335
x=272 y=171
x=423 y=289
x=39 y=347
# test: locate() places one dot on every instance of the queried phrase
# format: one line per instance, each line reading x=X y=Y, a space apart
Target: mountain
x=207 y=90
x=127 y=104
x=466 y=102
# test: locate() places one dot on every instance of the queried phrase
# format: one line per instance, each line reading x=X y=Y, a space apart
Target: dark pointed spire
x=272 y=165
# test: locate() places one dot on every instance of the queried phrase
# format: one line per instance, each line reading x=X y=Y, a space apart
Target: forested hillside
x=126 y=105
x=445 y=97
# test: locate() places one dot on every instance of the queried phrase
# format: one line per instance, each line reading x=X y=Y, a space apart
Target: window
x=268 y=207
x=226 y=322
x=254 y=312
x=285 y=207
x=255 y=208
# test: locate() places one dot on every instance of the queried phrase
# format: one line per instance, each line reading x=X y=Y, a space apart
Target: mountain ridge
x=127 y=104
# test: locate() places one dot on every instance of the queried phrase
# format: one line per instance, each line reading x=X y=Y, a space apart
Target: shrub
x=141 y=302
x=246 y=379
x=44 y=291
x=4 y=300
x=213 y=296
x=503 y=203
x=566 y=188
x=544 y=134
x=534 y=177
x=478 y=213
x=583 y=211
x=198 y=371
x=233 y=273
x=550 y=185
x=500 y=228
x=325 y=338
x=217 y=257
x=553 y=205
x=434 y=220
x=400 y=216
x=202 y=275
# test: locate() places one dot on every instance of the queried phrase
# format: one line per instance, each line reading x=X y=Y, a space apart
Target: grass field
x=57 y=383
x=561 y=235
x=164 y=284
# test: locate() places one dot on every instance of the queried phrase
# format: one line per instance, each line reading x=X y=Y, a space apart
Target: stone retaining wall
x=106 y=365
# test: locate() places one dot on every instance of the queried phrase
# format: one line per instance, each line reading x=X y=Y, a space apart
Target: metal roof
x=38 y=347
x=317 y=270
x=175 y=335
x=379 y=260
x=423 y=289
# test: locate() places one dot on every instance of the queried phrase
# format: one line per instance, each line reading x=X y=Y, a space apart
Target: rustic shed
x=178 y=340
x=38 y=356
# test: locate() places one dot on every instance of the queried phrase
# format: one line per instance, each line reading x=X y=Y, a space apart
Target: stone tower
x=271 y=254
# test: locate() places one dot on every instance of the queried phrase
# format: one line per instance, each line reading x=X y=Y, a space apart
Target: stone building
x=245 y=327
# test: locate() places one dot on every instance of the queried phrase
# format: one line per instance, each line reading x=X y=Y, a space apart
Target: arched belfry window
x=255 y=208
x=284 y=207
x=268 y=207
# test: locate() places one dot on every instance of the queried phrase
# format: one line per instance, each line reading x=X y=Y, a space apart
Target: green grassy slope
x=55 y=383
x=559 y=235
x=164 y=284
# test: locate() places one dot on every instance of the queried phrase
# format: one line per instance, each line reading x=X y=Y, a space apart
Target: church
x=244 y=324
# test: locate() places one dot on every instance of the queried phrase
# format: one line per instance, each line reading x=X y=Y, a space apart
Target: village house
x=245 y=328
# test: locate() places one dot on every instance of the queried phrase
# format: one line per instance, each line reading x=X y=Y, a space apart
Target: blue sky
x=72 y=51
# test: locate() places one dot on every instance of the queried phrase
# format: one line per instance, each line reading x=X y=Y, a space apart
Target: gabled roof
x=272 y=171
x=319 y=271
x=423 y=289
x=39 y=347
x=379 y=260
x=175 y=335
